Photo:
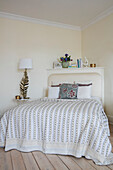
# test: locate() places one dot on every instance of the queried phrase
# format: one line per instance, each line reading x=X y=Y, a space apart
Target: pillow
x=84 y=83
x=68 y=91
x=56 y=85
x=53 y=92
x=84 y=90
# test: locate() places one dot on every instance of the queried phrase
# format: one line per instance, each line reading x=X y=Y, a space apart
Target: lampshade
x=25 y=63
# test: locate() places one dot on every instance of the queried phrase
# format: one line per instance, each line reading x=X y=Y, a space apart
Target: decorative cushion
x=84 y=83
x=84 y=90
x=79 y=84
x=68 y=91
x=56 y=85
x=53 y=92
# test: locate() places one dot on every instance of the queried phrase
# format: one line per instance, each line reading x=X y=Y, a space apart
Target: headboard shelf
x=98 y=70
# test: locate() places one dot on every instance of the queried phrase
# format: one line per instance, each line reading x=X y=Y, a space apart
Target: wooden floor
x=15 y=160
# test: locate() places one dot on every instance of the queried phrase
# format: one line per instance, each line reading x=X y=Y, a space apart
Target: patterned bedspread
x=69 y=127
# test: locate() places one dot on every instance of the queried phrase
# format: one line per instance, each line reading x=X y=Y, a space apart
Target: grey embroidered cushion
x=68 y=91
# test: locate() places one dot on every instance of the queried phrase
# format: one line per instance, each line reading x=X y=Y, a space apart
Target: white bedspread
x=69 y=127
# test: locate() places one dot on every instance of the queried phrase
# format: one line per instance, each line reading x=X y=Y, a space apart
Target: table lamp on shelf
x=25 y=63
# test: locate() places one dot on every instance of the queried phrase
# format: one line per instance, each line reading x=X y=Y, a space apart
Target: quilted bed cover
x=68 y=127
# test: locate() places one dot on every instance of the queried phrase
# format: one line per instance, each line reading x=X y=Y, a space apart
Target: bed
x=77 y=127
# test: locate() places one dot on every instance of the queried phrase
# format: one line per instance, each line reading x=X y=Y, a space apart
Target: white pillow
x=53 y=92
x=84 y=92
x=84 y=82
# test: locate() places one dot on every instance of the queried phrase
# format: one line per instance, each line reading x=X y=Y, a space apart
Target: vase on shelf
x=65 y=64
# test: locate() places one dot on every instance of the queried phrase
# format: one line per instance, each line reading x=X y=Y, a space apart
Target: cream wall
x=97 y=45
x=44 y=44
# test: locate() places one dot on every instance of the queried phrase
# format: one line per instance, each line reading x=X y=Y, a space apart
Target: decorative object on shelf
x=25 y=63
x=74 y=65
x=17 y=97
x=85 y=64
x=79 y=63
x=65 y=64
x=57 y=64
x=65 y=60
x=92 y=65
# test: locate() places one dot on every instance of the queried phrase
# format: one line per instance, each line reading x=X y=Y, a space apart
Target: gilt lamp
x=25 y=63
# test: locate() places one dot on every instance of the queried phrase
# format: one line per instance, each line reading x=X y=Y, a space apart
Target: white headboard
x=71 y=75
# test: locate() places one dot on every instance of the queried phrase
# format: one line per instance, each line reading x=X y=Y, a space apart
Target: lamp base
x=24 y=85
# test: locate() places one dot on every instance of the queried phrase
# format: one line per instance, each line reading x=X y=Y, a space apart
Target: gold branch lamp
x=25 y=63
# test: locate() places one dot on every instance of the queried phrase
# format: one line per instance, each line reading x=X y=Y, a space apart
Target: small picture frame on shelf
x=57 y=64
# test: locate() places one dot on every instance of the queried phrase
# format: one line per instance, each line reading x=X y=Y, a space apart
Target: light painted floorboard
x=56 y=162
x=83 y=163
x=42 y=161
x=5 y=160
x=29 y=161
x=69 y=162
x=17 y=160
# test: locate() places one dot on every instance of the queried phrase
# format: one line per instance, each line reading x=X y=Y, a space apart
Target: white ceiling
x=72 y=12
